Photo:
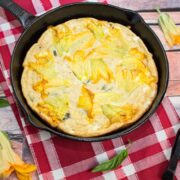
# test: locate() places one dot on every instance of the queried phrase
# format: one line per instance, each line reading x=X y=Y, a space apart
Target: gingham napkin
x=58 y=158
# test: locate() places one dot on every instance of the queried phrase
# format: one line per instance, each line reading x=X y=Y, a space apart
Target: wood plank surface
x=145 y=4
x=173 y=88
x=152 y=17
x=174 y=65
x=160 y=35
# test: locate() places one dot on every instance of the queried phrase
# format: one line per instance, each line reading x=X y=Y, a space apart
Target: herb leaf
x=3 y=103
x=54 y=52
x=67 y=116
x=113 y=163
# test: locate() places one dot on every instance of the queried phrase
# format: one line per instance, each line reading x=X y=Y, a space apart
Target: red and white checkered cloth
x=58 y=158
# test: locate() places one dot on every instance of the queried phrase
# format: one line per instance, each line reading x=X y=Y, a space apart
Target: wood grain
x=160 y=35
x=174 y=65
x=173 y=88
x=145 y=4
x=152 y=17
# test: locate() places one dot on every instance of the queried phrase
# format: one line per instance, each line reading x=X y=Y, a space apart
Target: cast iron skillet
x=35 y=26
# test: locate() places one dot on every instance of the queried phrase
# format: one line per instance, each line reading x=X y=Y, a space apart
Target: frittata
x=88 y=77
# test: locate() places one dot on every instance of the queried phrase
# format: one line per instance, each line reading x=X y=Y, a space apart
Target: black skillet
x=35 y=26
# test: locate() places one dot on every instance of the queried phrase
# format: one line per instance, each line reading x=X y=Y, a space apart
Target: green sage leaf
x=3 y=103
x=112 y=163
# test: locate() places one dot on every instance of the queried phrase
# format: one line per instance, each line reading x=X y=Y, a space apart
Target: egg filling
x=88 y=77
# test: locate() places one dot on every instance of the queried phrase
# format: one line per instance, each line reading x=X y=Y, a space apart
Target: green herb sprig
x=114 y=162
x=3 y=103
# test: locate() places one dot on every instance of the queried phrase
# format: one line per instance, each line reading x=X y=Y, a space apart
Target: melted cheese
x=86 y=101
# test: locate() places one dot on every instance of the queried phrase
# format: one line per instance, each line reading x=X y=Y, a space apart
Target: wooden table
x=146 y=9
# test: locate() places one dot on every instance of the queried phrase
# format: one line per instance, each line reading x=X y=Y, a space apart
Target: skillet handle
x=24 y=17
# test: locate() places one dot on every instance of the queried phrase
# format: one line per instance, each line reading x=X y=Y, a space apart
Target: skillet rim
x=112 y=135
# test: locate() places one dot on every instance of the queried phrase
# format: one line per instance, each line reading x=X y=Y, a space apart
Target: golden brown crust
x=110 y=129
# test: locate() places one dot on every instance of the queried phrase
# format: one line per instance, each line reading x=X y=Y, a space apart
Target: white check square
x=129 y=170
x=28 y=139
x=6 y=74
x=109 y=175
x=167 y=153
x=5 y=26
x=161 y=135
x=44 y=135
x=10 y=39
x=58 y=174
x=119 y=149
x=102 y=157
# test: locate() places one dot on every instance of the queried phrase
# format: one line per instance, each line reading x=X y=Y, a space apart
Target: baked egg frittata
x=88 y=77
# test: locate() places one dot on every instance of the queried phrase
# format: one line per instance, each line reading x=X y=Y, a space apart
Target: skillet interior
x=99 y=11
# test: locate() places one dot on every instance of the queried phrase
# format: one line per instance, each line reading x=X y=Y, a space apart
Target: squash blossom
x=170 y=30
x=11 y=162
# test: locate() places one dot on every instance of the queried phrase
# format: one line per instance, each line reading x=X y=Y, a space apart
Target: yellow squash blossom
x=119 y=114
x=11 y=162
x=86 y=101
x=170 y=30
